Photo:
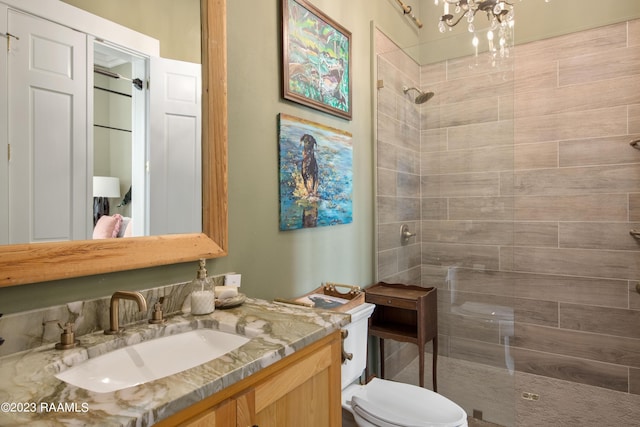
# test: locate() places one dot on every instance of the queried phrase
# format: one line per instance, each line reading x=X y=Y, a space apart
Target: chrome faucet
x=114 y=313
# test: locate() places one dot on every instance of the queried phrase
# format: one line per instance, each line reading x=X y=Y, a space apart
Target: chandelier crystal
x=499 y=14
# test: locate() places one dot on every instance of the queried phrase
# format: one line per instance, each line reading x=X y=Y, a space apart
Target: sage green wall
x=175 y=23
x=285 y=264
x=273 y=263
x=288 y=263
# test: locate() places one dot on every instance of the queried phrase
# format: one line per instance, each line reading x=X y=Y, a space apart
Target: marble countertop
x=30 y=394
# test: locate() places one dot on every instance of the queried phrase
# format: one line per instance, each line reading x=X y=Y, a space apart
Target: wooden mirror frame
x=39 y=262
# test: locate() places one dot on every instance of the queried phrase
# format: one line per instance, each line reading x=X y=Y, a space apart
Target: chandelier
x=499 y=14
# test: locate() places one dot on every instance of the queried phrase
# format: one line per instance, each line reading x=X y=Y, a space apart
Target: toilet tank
x=356 y=343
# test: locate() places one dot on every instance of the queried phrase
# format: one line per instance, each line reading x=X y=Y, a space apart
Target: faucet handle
x=157 y=316
x=67 y=337
x=1 y=339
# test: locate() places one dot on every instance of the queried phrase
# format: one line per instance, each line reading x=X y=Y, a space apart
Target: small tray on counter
x=231 y=302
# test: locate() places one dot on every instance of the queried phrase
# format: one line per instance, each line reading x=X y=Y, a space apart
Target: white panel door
x=4 y=143
x=47 y=131
x=175 y=133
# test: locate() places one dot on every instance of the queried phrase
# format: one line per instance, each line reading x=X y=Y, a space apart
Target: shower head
x=422 y=96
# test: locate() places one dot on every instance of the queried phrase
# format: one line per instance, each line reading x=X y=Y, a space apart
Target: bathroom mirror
x=37 y=262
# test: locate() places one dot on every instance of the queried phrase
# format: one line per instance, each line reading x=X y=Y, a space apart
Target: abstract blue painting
x=316 y=174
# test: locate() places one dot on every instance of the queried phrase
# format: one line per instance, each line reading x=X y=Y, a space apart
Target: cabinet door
x=47 y=129
x=305 y=394
x=222 y=415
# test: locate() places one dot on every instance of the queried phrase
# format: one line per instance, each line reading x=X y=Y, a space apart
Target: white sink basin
x=151 y=360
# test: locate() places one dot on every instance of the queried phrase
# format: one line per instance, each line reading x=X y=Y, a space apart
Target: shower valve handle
x=405 y=234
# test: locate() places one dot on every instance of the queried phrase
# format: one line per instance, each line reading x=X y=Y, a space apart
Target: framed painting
x=316 y=174
x=316 y=55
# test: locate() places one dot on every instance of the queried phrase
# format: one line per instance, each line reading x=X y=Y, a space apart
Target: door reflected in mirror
x=22 y=264
x=148 y=137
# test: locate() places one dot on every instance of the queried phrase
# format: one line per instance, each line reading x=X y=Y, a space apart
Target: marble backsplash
x=30 y=329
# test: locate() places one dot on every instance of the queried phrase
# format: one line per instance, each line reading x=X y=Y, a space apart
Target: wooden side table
x=408 y=314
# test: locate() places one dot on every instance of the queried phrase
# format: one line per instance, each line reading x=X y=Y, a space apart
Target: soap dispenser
x=202 y=293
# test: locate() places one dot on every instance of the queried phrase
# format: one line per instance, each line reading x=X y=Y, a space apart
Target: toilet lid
x=389 y=404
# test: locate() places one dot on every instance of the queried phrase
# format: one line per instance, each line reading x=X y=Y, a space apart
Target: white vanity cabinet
x=47 y=127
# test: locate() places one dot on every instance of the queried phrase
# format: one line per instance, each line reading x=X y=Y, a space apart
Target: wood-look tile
x=398 y=356
x=597 y=347
x=470 y=160
x=578 y=97
x=402 y=69
x=407 y=209
x=491 y=233
x=481 y=208
x=633 y=33
x=479 y=69
x=574 y=262
x=612 y=64
x=468 y=327
x=386 y=182
x=433 y=275
x=541 y=287
x=471 y=385
x=571 y=125
x=536 y=156
x=601 y=39
x=387 y=128
x=536 y=312
x=387 y=155
x=468 y=87
x=634 y=119
x=473 y=256
x=481 y=135
x=572 y=181
x=566 y=403
x=634 y=207
x=578 y=370
x=506 y=109
x=387 y=102
x=398 y=133
x=462 y=113
x=535 y=73
x=525 y=310
x=598 y=151
x=408 y=185
x=601 y=320
x=471 y=184
x=434 y=208
x=590 y=207
x=433 y=73
x=432 y=140
x=409 y=256
x=599 y=235
x=634 y=295
x=476 y=351
x=634 y=381
x=386 y=208
x=408 y=161
x=408 y=111
x=387 y=263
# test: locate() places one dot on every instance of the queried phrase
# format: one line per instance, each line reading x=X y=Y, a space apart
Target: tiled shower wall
x=398 y=165
x=529 y=190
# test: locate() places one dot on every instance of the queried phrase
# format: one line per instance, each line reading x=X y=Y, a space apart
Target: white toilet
x=384 y=403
